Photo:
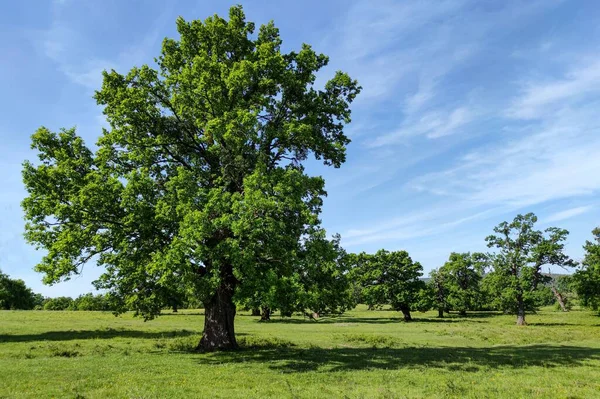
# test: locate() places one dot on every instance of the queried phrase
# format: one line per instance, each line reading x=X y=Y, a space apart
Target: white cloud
x=410 y=48
x=557 y=159
x=433 y=125
x=69 y=51
x=393 y=44
x=426 y=223
x=74 y=54
x=457 y=118
x=542 y=98
x=567 y=213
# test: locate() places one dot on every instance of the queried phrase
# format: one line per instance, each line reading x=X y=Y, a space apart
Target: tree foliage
x=198 y=184
x=59 y=303
x=319 y=285
x=14 y=294
x=516 y=281
x=91 y=302
x=437 y=293
x=460 y=279
x=389 y=278
x=586 y=280
x=326 y=287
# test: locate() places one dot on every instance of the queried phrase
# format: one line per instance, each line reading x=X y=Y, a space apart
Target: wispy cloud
x=412 y=48
x=519 y=165
x=432 y=125
x=420 y=224
x=542 y=98
x=567 y=213
x=72 y=51
x=393 y=43
x=556 y=159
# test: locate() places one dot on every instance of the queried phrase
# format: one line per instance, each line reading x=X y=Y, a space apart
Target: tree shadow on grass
x=480 y=314
x=373 y=320
x=95 y=334
x=335 y=320
x=294 y=360
x=471 y=317
x=198 y=313
x=446 y=320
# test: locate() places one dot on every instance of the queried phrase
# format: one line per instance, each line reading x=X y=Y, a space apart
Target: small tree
x=324 y=278
x=438 y=292
x=517 y=276
x=390 y=278
x=586 y=280
x=461 y=276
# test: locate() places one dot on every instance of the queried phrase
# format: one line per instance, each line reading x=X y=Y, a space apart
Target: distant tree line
x=511 y=279
x=514 y=278
x=15 y=295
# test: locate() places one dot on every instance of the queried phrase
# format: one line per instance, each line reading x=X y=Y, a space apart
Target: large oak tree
x=198 y=183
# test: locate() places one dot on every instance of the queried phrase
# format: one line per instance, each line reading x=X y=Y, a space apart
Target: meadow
x=361 y=354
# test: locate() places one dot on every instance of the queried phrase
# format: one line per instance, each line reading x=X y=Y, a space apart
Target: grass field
x=362 y=354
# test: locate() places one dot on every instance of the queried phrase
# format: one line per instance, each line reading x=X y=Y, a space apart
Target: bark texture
x=219 y=315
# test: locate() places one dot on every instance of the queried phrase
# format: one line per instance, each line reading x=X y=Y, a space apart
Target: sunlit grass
x=360 y=354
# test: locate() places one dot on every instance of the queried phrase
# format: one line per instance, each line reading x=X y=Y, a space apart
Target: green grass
x=362 y=354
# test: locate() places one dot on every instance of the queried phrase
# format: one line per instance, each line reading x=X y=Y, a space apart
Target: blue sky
x=471 y=112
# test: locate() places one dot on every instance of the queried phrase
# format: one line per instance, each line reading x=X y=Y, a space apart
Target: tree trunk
x=406 y=312
x=462 y=313
x=219 y=314
x=266 y=314
x=521 y=315
x=256 y=312
x=560 y=299
x=441 y=313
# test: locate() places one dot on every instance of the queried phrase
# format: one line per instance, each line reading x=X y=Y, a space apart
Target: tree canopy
x=389 y=278
x=586 y=280
x=522 y=252
x=14 y=294
x=198 y=185
x=319 y=286
x=460 y=277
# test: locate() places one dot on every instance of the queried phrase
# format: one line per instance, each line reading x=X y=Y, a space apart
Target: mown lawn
x=362 y=354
